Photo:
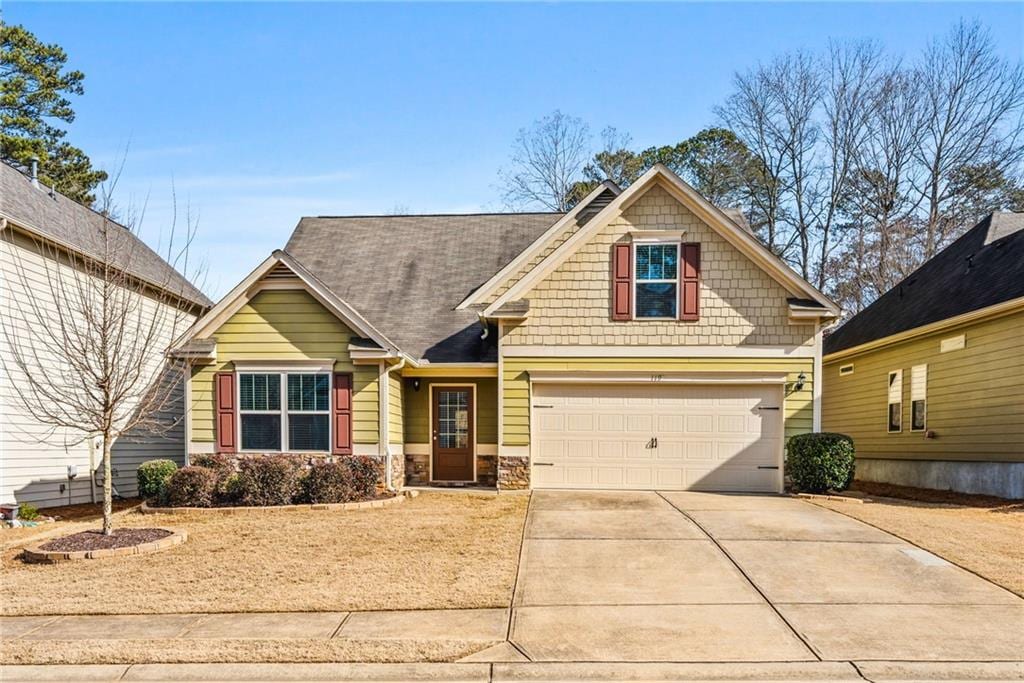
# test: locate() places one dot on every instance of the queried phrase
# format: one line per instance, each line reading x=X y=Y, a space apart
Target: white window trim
x=283 y=373
x=655 y=241
x=889 y=402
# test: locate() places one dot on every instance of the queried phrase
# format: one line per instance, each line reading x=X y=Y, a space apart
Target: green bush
x=347 y=480
x=269 y=480
x=224 y=467
x=152 y=476
x=28 y=512
x=820 y=462
x=192 y=487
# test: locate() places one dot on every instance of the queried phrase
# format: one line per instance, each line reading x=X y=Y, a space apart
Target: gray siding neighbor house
x=42 y=235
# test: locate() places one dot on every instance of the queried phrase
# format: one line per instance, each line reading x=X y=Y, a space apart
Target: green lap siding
x=396 y=408
x=975 y=395
x=417 y=408
x=285 y=325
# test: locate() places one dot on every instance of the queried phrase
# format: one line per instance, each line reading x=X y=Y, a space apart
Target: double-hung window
x=895 y=400
x=299 y=422
x=918 y=397
x=657 y=280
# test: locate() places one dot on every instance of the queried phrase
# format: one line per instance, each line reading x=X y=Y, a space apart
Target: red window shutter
x=622 y=282
x=224 y=386
x=342 y=417
x=689 y=282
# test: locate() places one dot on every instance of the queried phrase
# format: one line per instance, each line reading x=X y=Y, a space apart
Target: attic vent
x=594 y=207
x=280 y=273
x=846 y=369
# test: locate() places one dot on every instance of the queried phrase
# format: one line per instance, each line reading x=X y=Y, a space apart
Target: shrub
x=152 y=476
x=363 y=475
x=192 y=487
x=346 y=480
x=28 y=512
x=326 y=482
x=224 y=467
x=821 y=461
x=269 y=480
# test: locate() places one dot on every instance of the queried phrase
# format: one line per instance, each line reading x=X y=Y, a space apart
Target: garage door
x=657 y=436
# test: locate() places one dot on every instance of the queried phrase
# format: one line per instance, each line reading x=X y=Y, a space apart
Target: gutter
x=385 y=407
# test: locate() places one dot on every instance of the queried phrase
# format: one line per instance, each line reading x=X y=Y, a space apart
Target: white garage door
x=657 y=436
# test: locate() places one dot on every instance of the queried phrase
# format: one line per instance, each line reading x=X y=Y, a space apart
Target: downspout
x=385 y=421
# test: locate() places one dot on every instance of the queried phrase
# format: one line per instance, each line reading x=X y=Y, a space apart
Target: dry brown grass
x=218 y=651
x=986 y=539
x=436 y=550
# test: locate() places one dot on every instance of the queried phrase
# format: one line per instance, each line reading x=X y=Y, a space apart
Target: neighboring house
x=642 y=340
x=929 y=379
x=39 y=229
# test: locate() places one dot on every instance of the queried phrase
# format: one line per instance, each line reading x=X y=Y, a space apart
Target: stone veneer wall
x=741 y=305
x=513 y=472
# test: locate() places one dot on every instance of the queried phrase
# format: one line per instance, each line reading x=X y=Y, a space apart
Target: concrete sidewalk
x=807 y=672
x=484 y=625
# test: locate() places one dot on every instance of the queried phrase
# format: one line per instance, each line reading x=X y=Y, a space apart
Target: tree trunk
x=108 y=489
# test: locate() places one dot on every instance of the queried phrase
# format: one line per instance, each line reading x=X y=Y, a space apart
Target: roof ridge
x=443 y=215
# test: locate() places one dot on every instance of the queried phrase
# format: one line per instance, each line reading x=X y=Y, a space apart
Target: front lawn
x=439 y=550
x=984 y=535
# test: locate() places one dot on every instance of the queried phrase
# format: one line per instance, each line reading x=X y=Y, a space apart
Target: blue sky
x=258 y=114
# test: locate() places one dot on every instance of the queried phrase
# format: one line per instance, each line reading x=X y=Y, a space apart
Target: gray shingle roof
x=982 y=268
x=61 y=219
x=406 y=274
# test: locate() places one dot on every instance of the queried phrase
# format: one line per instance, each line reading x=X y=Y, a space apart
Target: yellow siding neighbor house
x=642 y=340
x=929 y=380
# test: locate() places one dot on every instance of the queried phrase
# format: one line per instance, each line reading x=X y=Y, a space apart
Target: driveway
x=694 y=577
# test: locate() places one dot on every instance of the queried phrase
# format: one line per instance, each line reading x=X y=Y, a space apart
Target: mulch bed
x=872 y=488
x=95 y=540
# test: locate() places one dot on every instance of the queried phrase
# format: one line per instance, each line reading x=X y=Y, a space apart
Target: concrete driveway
x=694 y=577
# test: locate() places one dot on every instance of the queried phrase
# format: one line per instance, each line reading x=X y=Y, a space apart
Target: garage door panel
x=708 y=437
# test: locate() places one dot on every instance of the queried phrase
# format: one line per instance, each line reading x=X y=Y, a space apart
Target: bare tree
x=751 y=112
x=88 y=337
x=972 y=106
x=848 y=101
x=547 y=161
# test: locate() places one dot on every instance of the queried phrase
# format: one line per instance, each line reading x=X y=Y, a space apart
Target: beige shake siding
x=285 y=325
x=741 y=305
x=975 y=395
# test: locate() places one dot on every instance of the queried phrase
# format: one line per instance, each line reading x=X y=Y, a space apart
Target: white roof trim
x=525 y=255
x=245 y=290
x=710 y=214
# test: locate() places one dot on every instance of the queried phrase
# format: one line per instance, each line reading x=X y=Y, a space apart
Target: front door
x=453 y=433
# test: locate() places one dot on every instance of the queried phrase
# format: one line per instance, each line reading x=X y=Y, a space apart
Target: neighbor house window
x=896 y=400
x=918 y=397
x=657 y=280
x=300 y=423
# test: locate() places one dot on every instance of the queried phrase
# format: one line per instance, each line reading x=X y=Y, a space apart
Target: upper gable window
x=657 y=280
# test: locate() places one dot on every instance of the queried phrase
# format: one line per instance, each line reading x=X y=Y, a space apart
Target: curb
x=34 y=554
x=147 y=509
x=825 y=496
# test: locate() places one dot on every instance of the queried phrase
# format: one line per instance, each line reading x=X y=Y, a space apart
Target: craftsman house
x=643 y=340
